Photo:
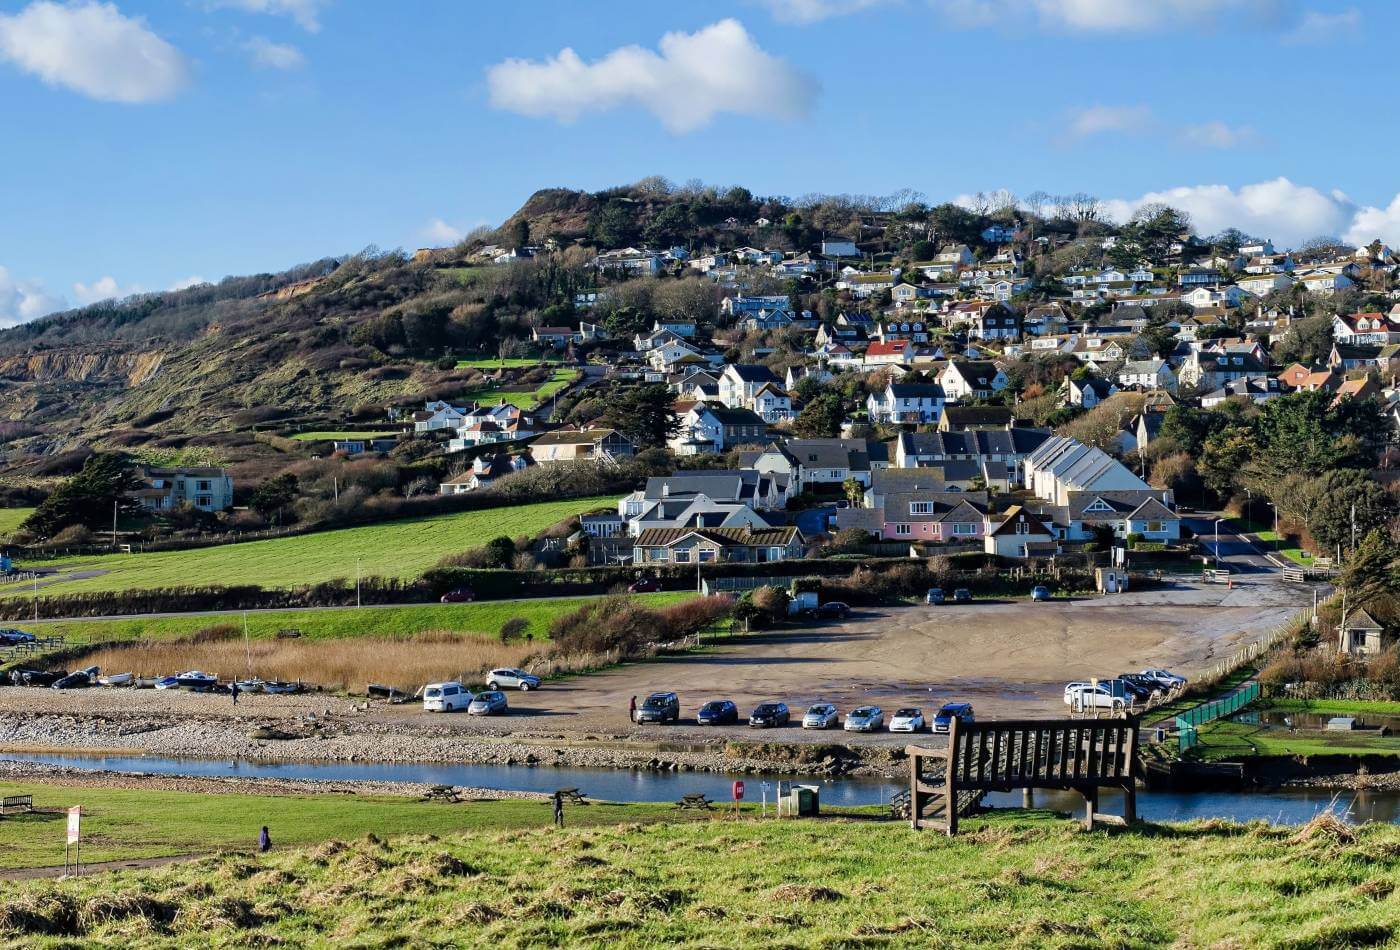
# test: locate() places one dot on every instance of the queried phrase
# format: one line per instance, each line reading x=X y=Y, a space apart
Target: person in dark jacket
x=559 y=809
x=632 y=710
x=264 y=840
x=233 y=691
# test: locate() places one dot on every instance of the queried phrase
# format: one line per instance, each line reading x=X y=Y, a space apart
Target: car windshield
x=863 y=711
x=906 y=713
x=949 y=710
x=765 y=709
x=713 y=707
x=655 y=701
x=818 y=710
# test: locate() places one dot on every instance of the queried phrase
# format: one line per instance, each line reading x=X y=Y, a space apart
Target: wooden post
x=915 y=771
x=1091 y=805
x=950 y=787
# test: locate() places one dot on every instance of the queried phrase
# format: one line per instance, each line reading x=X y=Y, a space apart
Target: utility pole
x=114 y=524
x=357 y=582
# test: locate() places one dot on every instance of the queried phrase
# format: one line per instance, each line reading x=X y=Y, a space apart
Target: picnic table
x=696 y=801
x=11 y=804
x=442 y=793
x=572 y=796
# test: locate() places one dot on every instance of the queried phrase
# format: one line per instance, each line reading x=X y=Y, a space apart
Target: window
x=707 y=554
x=1154 y=526
x=1023 y=528
x=964 y=529
x=902 y=530
x=920 y=507
x=1099 y=505
x=775 y=554
x=682 y=557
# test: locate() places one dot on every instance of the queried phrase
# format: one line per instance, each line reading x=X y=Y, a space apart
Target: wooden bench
x=442 y=793
x=572 y=796
x=696 y=801
x=1076 y=755
x=11 y=804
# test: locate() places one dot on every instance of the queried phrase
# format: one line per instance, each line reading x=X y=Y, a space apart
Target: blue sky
x=151 y=143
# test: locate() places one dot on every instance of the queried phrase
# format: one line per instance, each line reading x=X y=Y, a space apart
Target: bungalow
x=1146 y=512
x=839 y=247
x=711 y=545
x=932 y=516
x=894 y=352
x=1255 y=389
x=1362 y=387
x=906 y=403
x=1324 y=283
x=867 y=285
x=1019 y=534
x=1261 y=285
x=738 y=305
x=1347 y=358
x=795 y=374
x=557 y=337
x=571 y=445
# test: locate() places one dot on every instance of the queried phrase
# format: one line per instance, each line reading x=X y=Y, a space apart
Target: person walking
x=233 y=691
x=264 y=841
x=632 y=710
x=559 y=809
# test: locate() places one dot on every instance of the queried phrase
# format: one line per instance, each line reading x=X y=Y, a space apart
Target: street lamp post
x=1217 y=541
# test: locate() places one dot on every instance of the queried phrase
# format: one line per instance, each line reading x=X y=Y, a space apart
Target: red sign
x=738 y=791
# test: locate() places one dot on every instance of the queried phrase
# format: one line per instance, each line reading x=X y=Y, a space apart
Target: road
x=1236 y=552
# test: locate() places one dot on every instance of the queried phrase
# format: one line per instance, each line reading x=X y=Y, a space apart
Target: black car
x=660 y=707
x=718 y=712
x=834 y=609
x=1133 y=692
x=962 y=596
x=1146 y=682
x=766 y=715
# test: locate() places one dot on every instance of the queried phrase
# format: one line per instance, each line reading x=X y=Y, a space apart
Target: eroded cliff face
x=83 y=365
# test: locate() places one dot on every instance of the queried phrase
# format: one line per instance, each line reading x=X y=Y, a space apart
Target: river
x=1279 y=806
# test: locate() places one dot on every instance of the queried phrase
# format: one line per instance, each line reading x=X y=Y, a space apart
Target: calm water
x=1288 y=806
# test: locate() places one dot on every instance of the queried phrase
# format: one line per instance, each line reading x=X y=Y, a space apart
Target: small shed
x=1110 y=580
x=1360 y=634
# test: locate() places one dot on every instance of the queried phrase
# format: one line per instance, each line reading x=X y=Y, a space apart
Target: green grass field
x=331 y=436
x=1338 y=707
x=11 y=519
x=484 y=619
x=1225 y=740
x=527 y=399
x=492 y=873
x=402 y=549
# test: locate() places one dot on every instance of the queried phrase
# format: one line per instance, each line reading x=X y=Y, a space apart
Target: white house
x=839 y=247
x=740 y=383
x=1147 y=374
x=962 y=380
x=1021 y=534
x=908 y=403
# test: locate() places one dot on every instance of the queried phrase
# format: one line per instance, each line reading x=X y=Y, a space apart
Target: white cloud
x=305 y=13
x=694 y=77
x=270 y=55
x=93 y=49
x=1280 y=210
x=25 y=300
x=1371 y=223
x=188 y=282
x=1219 y=135
x=1101 y=120
x=104 y=288
x=1099 y=15
x=811 y=11
x=1319 y=27
x=438 y=231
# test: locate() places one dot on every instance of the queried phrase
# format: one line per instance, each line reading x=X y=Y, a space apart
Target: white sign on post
x=75 y=820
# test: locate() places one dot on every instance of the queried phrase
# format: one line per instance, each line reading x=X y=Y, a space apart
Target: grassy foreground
x=483 y=619
x=11 y=519
x=402 y=549
x=488 y=873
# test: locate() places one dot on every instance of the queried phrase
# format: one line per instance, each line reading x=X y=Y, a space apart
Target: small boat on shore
x=167 y=682
x=250 y=686
x=116 y=679
x=196 y=680
x=282 y=688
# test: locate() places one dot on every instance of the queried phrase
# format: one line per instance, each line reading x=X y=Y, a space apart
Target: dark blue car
x=717 y=712
x=943 y=722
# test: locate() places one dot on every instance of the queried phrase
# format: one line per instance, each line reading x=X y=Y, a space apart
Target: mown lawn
x=402 y=549
x=483 y=619
x=637 y=877
x=1226 y=740
x=11 y=519
x=1338 y=707
x=514 y=362
x=527 y=399
x=331 y=436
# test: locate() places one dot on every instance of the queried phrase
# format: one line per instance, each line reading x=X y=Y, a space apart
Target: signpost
x=75 y=820
x=763 y=789
x=738 y=797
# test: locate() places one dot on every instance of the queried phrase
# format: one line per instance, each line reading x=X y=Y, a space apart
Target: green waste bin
x=804 y=801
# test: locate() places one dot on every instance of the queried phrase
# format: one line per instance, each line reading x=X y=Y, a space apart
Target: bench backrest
x=1021 y=753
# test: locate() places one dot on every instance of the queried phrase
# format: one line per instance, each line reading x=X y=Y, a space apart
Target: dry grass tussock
x=431 y=656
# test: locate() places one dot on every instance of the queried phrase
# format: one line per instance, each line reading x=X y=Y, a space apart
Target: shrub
x=689 y=617
x=771 y=602
x=513 y=629
x=615 y=623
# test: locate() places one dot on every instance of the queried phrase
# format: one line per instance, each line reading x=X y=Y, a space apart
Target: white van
x=445 y=697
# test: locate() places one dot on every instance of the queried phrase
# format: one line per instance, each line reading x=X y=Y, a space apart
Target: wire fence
x=1188 y=721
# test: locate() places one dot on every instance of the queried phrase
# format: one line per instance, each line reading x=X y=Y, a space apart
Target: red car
x=647 y=585
x=462 y=595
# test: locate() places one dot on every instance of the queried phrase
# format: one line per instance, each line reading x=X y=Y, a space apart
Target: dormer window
x=1099 y=505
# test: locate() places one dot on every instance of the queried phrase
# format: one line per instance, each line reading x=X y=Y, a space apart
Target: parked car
x=459 y=595
x=1166 y=678
x=943 y=720
x=645 y=585
x=834 y=610
x=821 y=716
x=962 y=596
x=491 y=702
x=769 y=715
x=1137 y=692
x=660 y=707
x=11 y=637
x=908 y=719
x=445 y=697
x=934 y=597
x=718 y=712
x=510 y=678
x=1153 y=686
x=1040 y=592
x=1090 y=696
x=865 y=719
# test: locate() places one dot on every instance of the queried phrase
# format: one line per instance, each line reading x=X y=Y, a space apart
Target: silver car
x=865 y=719
x=821 y=716
x=510 y=678
x=488 y=703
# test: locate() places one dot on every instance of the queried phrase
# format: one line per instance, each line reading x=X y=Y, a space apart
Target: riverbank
x=632 y=878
